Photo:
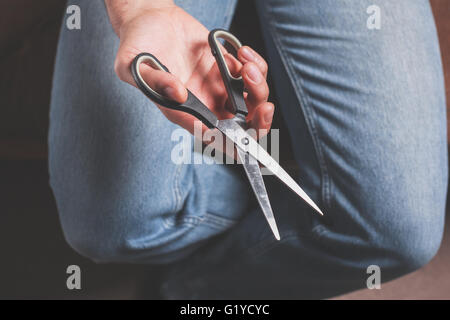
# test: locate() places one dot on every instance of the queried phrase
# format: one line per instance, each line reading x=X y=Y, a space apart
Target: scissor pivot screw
x=245 y=141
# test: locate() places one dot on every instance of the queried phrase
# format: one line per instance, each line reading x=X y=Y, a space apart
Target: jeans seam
x=212 y=219
x=208 y=219
x=272 y=244
x=310 y=117
x=318 y=232
x=181 y=277
x=177 y=189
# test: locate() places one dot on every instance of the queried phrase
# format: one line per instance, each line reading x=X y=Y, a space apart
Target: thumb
x=164 y=83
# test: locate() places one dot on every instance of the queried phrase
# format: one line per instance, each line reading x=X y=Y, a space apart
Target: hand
x=180 y=42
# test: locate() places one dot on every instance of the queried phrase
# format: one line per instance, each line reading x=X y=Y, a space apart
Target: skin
x=180 y=42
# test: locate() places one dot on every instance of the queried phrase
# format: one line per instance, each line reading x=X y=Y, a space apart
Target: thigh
x=365 y=109
x=119 y=194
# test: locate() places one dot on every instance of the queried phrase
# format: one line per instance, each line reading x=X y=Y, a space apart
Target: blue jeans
x=365 y=110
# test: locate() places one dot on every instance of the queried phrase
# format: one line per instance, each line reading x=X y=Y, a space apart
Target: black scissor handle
x=233 y=85
x=192 y=105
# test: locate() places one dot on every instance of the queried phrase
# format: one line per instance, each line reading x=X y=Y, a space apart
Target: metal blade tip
x=274 y=228
x=315 y=207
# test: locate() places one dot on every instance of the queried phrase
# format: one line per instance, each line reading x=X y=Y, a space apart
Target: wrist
x=121 y=11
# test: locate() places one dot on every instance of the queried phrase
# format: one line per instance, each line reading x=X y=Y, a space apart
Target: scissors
x=248 y=149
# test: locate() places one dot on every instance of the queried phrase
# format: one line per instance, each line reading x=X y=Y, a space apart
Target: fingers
x=254 y=73
x=262 y=118
x=255 y=84
x=247 y=54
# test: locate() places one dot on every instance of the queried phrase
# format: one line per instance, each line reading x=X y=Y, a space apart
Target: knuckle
x=265 y=91
x=264 y=66
x=119 y=68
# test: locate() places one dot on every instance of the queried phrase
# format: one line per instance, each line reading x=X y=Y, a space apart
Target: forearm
x=120 y=11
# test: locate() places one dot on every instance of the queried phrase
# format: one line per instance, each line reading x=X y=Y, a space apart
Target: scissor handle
x=192 y=105
x=233 y=85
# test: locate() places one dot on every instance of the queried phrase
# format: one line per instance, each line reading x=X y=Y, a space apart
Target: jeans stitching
x=208 y=219
x=212 y=219
x=185 y=221
x=272 y=244
x=268 y=245
x=177 y=189
x=318 y=232
x=309 y=114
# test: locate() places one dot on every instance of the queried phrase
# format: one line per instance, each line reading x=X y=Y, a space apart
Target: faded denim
x=365 y=110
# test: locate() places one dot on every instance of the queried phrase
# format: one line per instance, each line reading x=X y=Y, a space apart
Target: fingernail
x=254 y=74
x=248 y=54
x=169 y=92
x=269 y=116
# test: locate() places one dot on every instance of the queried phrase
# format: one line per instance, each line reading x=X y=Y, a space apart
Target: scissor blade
x=256 y=181
x=238 y=135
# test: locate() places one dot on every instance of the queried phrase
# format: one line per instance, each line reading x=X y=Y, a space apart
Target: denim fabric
x=366 y=116
x=119 y=195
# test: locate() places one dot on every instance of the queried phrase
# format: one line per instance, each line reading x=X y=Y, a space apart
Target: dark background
x=33 y=253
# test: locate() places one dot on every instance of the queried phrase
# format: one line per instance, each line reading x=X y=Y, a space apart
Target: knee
x=410 y=235
x=100 y=242
x=401 y=221
x=415 y=246
x=114 y=224
x=97 y=230
x=89 y=248
x=123 y=236
x=119 y=236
